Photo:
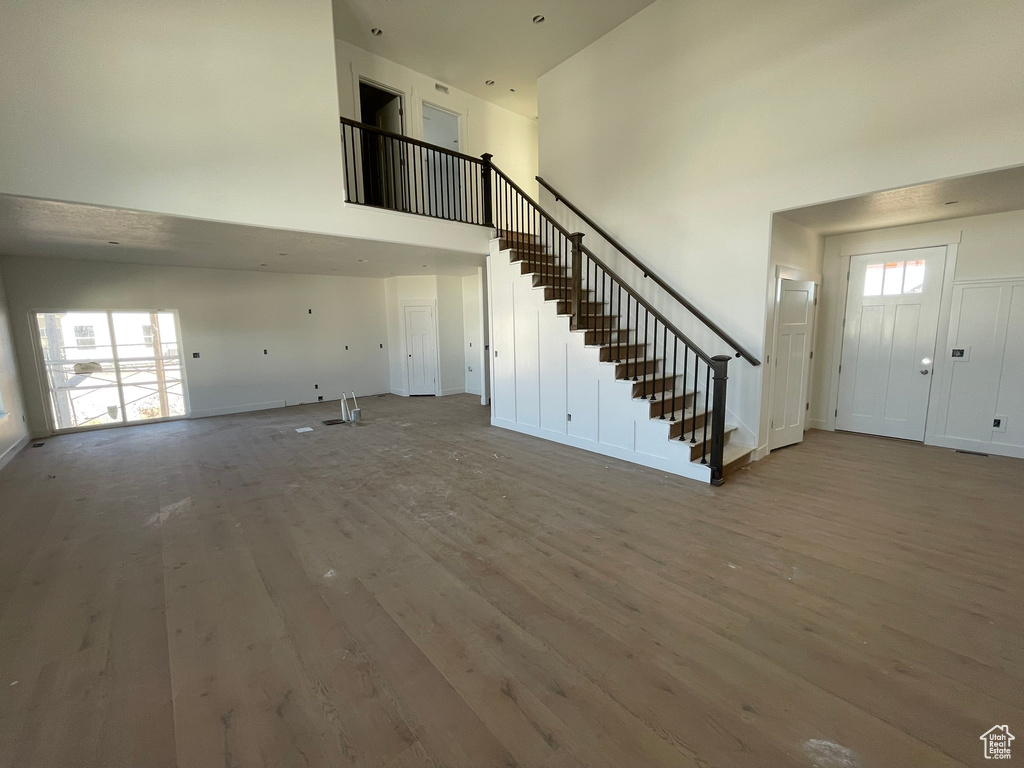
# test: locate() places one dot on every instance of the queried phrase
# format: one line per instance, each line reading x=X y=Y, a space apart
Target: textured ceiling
x=43 y=228
x=957 y=198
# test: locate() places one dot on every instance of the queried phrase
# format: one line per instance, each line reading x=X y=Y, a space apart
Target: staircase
x=579 y=341
x=662 y=388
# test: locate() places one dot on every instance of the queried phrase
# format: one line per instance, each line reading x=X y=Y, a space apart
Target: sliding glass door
x=111 y=367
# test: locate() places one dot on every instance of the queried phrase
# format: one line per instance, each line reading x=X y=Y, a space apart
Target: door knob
x=924 y=371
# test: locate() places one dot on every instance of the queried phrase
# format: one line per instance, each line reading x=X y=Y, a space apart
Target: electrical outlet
x=346 y=347
x=311 y=311
x=316 y=386
x=999 y=424
x=195 y=354
x=264 y=351
x=320 y=399
x=568 y=417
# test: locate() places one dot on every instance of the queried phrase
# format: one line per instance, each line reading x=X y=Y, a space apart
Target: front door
x=892 y=313
x=421 y=346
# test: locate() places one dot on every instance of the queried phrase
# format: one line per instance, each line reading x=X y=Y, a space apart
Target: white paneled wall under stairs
x=565 y=385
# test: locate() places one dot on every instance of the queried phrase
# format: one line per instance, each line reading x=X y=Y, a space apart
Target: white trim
x=44 y=381
x=783 y=272
x=455 y=391
x=230 y=409
x=8 y=456
x=672 y=466
x=358 y=78
x=404 y=339
x=839 y=313
x=801 y=276
x=978 y=446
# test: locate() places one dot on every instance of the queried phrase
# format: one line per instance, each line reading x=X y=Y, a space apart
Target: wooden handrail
x=740 y=351
x=408 y=140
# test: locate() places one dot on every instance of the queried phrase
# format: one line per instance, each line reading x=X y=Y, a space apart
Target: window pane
x=913 y=281
x=873 y=280
x=893 y=279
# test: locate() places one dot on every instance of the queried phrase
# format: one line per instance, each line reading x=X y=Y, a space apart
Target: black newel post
x=486 y=176
x=720 y=371
x=577 y=277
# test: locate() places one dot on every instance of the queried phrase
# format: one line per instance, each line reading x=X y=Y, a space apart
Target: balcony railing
x=386 y=170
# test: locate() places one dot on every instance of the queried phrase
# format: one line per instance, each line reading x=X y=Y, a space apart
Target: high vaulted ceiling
x=467 y=42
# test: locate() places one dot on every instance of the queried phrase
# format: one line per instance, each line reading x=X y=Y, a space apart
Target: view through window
x=111 y=367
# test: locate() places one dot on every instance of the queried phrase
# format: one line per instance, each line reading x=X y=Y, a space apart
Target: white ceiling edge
x=37 y=228
x=960 y=197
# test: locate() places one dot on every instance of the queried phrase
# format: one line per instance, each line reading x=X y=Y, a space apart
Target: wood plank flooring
x=424 y=590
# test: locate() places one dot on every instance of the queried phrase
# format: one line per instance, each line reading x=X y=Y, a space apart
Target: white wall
x=485 y=127
x=445 y=295
x=13 y=429
x=226 y=112
x=221 y=111
x=683 y=129
x=796 y=252
x=981 y=307
x=473 y=338
x=229 y=317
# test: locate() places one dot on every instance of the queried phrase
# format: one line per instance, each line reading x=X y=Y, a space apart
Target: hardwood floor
x=424 y=590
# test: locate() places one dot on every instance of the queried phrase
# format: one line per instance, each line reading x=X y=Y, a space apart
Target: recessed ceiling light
x=488 y=82
x=113 y=242
x=282 y=254
x=263 y=265
x=952 y=202
x=538 y=19
x=362 y=261
x=425 y=266
x=376 y=31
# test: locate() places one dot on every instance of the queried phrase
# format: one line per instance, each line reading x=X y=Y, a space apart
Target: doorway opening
x=444 y=178
x=384 y=161
x=111 y=368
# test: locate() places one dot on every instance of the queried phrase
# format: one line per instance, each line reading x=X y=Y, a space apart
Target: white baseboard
x=14 y=450
x=238 y=409
x=817 y=424
x=977 y=446
x=453 y=391
x=400 y=392
x=681 y=468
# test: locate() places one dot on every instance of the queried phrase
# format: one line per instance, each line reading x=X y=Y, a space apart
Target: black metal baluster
x=618 y=318
x=647 y=318
x=675 y=370
x=654 y=359
x=664 y=368
x=696 y=366
x=707 y=390
x=686 y=365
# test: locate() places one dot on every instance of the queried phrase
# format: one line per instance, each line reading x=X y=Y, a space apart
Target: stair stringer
x=542 y=372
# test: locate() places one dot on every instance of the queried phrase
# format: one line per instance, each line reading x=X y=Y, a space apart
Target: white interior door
x=421 y=346
x=441 y=171
x=892 y=312
x=794 y=312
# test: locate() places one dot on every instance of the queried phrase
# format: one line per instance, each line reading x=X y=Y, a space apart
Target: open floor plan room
x=421 y=589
